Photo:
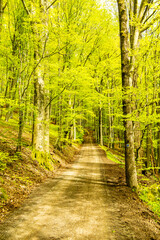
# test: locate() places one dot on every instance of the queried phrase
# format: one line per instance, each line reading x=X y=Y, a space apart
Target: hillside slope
x=19 y=173
x=88 y=200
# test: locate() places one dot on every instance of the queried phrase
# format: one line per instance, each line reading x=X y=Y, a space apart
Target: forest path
x=87 y=201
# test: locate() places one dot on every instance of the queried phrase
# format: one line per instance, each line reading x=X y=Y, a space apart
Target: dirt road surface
x=87 y=201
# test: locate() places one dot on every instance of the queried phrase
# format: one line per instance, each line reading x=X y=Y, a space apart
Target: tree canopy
x=65 y=65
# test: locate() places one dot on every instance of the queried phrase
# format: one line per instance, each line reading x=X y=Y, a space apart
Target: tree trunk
x=148 y=144
x=1 y=14
x=20 y=124
x=130 y=167
x=100 y=127
x=46 y=122
x=34 y=113
x=39 y=138
x=74 y=128
x=158 y=135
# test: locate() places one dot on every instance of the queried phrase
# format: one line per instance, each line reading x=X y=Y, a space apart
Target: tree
x=60 y=68
x=131 y=174
x=139 y=18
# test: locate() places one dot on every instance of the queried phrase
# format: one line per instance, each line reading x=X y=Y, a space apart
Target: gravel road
x=76 y=205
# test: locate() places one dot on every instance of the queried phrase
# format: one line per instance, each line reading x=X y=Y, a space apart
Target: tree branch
x=44 y=48
x=142 y=8
x=4 y=6
x=146 y=10
x=59 y=93
x=147 y=105
x=135 y=7
x=25 y=8
x=51 y=5
x=55 y=51
x=149 y=24
x=150 y=16
x=55 y=97
x=143 y=133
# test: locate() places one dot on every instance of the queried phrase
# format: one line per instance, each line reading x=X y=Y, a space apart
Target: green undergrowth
x=6 y=160
x=3 y=195
x=113 y=157
x=151 y=195
x=53 y=130
x=45 y=160
x=148 y=189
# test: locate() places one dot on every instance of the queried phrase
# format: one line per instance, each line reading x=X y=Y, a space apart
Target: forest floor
x=87 y=200
x=19 y=172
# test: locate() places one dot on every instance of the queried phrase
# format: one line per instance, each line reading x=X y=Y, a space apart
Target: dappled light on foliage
x=76 y=72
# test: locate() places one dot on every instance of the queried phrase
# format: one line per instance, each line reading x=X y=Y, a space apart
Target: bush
x=3 y=195
x=151 y=195
x=6 y=160
x=3 y=160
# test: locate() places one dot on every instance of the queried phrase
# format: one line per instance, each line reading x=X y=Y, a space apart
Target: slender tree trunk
x=12 y=89
x=46 y=125
x=21 y=111
x=39 y=138
x=130 y=167
x=74 y=127
x=100 y=127
x=34 y=114
x=20 y=131
x=1 y=15
x=112 y=129
x=109 y=119
x=21 y=118
x=148 y=148
x=158 y=135
x=59 y=108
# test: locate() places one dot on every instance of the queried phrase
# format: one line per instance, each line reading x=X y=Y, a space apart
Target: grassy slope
x=19 y=173
x=149 y=186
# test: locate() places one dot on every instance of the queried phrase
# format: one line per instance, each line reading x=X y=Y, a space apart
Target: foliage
x=112 y=156
x=3 y=194
x=151 y=195
x=44 y=159
x=3 y=159
x=60 y=77
x=7 y=160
